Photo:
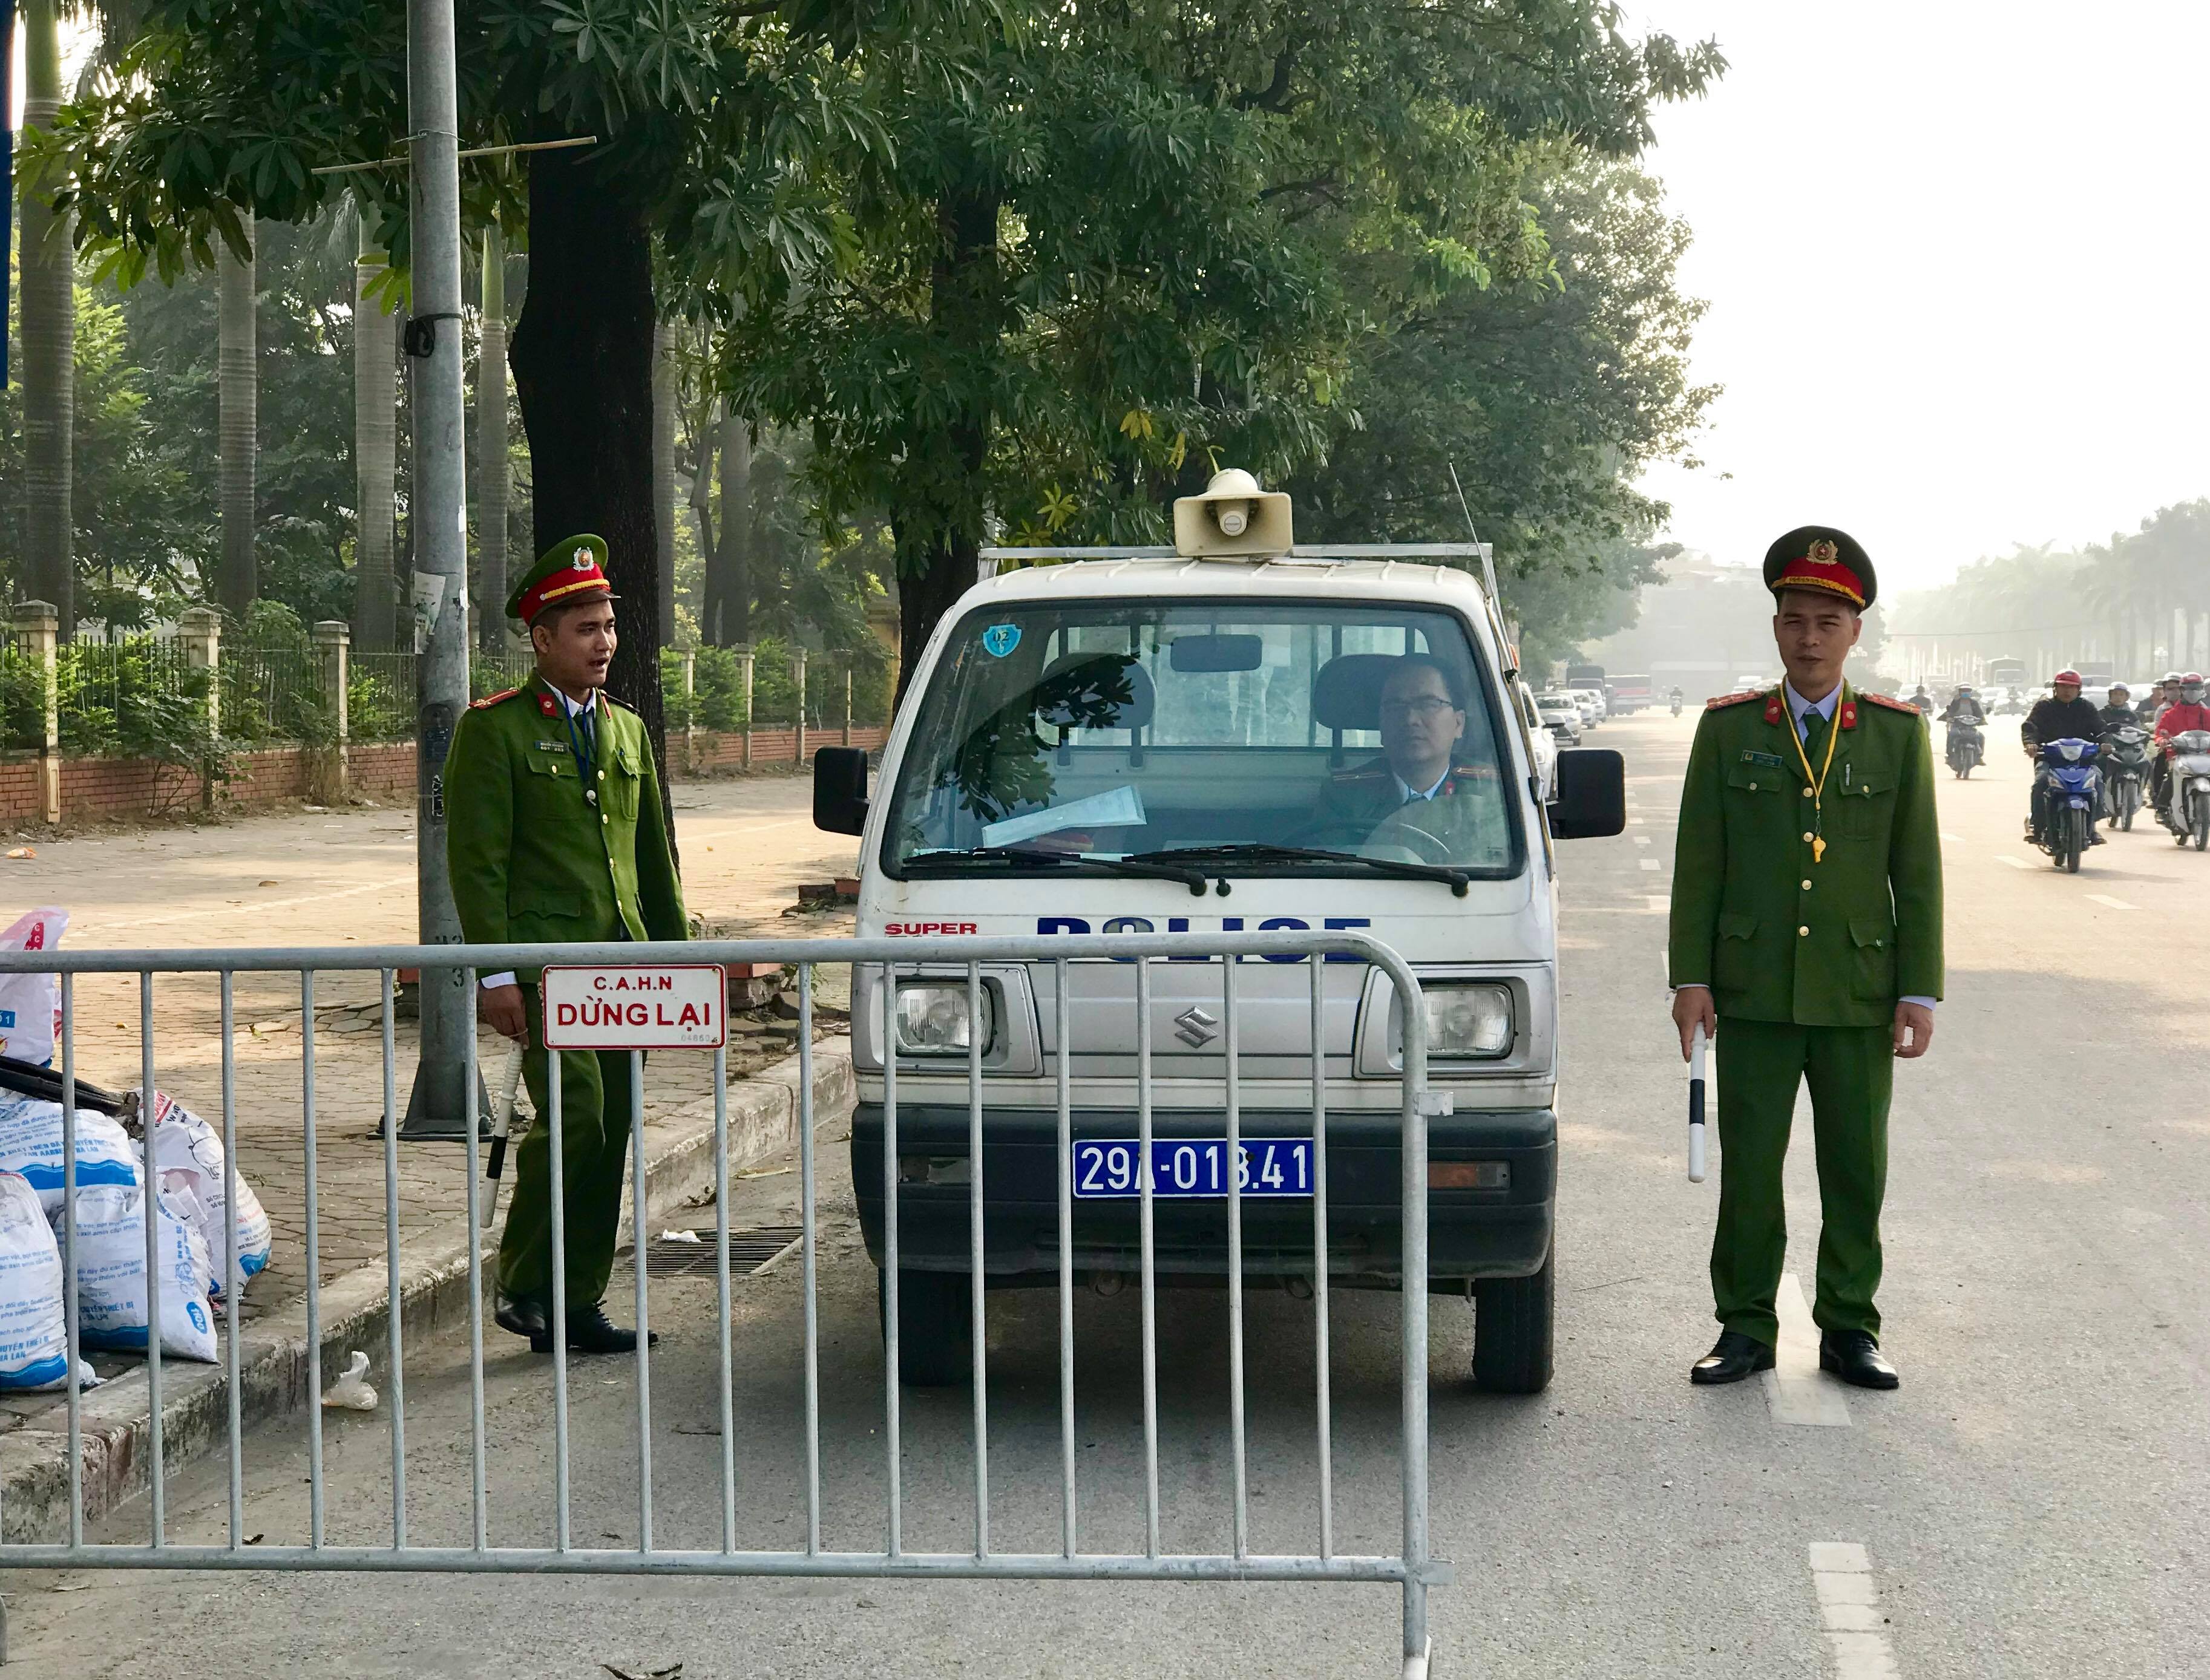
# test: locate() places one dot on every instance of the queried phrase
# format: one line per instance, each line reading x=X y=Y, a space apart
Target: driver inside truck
x=1423 y=762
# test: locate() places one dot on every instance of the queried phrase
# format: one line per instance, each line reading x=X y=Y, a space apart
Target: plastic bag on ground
x=187 y=1155
x=31 y=1144
x=111 y=1231
x=33 y=1333
x=31 y=1004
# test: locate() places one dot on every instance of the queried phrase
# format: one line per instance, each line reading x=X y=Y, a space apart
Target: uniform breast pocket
x=550 y=784
x=623 y=776
x=1868 y=807
x=1761 y=780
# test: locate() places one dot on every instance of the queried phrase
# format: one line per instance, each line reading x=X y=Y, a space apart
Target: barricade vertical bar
x=314 y=1260
x=233 y=1285
x=149 y=1199
x=555 y=1064
x=1323 y=1396
x=472 y=1154
x=394 y=1329
x=1064 y=1054
x=977 y=1341
x=807 y=1233
x=639 y=1228
x=1414 y=1216
x=891 y=1261
x=70 y=1258
x=721 y=1294
x=1149 y=1281
x=1234 y=1168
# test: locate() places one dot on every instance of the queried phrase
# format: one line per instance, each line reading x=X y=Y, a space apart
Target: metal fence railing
x=881 y=967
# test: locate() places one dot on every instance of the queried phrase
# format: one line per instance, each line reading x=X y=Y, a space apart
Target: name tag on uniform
x=1769 y=760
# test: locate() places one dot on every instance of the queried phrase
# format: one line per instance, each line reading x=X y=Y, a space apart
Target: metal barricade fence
x=1411 y=1567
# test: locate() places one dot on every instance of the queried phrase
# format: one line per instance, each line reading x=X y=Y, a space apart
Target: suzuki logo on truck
x=1196 y=1026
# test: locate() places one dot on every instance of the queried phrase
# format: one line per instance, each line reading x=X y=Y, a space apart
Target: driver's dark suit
x=1464 y=811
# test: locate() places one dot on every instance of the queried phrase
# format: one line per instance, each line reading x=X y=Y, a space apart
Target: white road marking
x=1849 y=1611
x=2015 y=863
x=1639 y=840
x=1636 y=819
x=1795 y=1390
x=2114 y=904
x=104 y=926
x=1650 y=863
x=1957 y=838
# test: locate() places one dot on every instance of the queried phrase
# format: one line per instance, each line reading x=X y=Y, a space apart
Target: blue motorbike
x=2069 y=788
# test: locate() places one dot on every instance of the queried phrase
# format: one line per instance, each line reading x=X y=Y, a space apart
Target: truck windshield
x=1108 y=729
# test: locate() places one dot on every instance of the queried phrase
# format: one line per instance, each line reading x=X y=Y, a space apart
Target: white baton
x=502 y=1127
x=1696 y=1106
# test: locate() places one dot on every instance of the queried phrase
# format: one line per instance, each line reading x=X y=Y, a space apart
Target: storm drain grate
x=749 y=1251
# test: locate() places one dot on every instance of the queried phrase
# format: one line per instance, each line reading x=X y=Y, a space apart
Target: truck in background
x=1630 y=691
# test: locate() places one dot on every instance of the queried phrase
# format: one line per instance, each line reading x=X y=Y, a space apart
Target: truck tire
x=1515 y=1330
x=936 y=1344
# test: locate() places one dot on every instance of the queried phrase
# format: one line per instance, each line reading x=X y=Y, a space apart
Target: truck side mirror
x=1591 y=795
x=840 y=789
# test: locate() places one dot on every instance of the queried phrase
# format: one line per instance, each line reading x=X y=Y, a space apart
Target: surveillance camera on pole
x=1234 y=516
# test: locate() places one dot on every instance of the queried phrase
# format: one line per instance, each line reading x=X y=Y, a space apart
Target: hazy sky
x=1958 y=261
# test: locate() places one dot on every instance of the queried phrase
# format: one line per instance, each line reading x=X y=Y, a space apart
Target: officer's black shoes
x=521 y=1316
x=1855 y=1357
x=589 y=1331
x=1733 y=1357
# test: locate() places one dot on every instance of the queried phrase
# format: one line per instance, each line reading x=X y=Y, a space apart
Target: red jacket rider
x=2187 y=713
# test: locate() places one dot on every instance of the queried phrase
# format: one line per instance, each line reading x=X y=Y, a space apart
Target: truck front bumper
x=1503 y=1233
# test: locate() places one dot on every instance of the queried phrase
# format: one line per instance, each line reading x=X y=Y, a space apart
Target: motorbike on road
x=1967 y=747
x=2125 y=767
x=1677 y=706
x=2071 y=796
x=2187 y=807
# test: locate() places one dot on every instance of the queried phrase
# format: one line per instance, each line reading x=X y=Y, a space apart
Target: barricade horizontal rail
x=949 y=965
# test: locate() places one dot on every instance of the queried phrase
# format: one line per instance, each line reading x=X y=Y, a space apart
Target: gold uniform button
x=1753 y=787
x=1803 y=933
x=1806 y=837
x=602 y=776
x=1807 y=886
x=603 y=817
x=1808 y=792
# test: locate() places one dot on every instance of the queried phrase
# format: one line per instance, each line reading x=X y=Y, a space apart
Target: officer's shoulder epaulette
x=493 y=699
x=1890 y=701
x=613 y=700
x=1718 y=702
x=1362 y=772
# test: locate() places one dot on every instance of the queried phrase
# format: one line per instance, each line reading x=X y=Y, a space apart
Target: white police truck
x=1234 y=734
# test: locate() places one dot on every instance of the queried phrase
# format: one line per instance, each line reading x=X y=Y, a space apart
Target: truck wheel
x=1514 y=1330
x=936 y=1346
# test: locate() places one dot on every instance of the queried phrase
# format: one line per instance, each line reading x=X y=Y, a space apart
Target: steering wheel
x=1395 y=829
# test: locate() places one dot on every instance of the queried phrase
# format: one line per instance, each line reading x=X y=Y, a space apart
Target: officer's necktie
x=1814 y=734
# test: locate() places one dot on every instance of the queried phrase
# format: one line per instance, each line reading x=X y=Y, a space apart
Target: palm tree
x=238 y=442
x=375 y=448
x=491 y=474
x=49 y=328
x=725 y=619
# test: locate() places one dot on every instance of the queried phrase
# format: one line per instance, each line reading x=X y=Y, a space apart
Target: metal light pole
x=441 y=1103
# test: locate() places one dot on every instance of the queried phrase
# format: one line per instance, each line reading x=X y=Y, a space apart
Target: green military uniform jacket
x=1366 y=802
x=530 y=859
x=1774 y=935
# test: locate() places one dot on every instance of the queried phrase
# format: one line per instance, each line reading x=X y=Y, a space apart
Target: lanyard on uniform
x=582 y=747
x=1817 y=788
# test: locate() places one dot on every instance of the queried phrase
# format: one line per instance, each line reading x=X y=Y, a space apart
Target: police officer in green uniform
x=555 y=833
x=1426 y=793
x=1806 y=940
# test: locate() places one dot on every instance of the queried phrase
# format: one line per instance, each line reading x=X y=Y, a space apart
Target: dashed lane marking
x=1657 y=904
x=1849 y=1611
x=1639 y=840
x=1956 y=839
x=2105 y=899
x=1650 y=863
x=2015 y=863
x=1795 y=1390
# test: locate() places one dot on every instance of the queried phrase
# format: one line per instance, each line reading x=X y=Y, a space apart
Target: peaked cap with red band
x=571 y=571
x=1819 y=556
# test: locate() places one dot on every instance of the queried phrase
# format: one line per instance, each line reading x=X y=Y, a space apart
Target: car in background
x=1542 y=745
x=1561 y=712
x=1748 y=685
x=1590 y=702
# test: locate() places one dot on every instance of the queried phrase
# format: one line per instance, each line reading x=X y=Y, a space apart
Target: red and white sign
x=685 y=1007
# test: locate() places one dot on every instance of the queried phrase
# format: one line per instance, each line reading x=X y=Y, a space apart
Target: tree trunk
x=238 y=431
x=491 y=474
x=966 y=302
x=726 y=618
x=663 y=473
x=49 y=330
x=581 y=355
x=375 y=455
x=702 y=499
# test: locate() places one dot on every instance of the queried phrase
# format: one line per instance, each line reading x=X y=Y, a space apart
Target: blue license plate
x=1186 y=1167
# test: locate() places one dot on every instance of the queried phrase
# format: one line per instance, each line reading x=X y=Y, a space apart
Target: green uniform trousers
x=594 y=1141
x=1851 y=1072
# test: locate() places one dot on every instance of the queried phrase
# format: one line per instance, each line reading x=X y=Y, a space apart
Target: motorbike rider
x=2166 y=693
x=2119 y=713
x=2064 y=714
x=1964 y=706
x=2186 y=712
x=1676 y=697
x=1922 y=700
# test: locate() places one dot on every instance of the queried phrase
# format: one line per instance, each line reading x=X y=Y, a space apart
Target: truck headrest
x=1347 y=692
x=1095 y=691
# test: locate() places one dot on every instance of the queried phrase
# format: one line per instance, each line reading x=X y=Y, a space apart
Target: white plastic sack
x=31 y=1004
x=110 y=1299
x=33 y=1333
x=188 y=1157
x=31 y=1144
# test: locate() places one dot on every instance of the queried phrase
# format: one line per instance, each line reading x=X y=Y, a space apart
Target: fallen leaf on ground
x=270 y=883
x=22 y=852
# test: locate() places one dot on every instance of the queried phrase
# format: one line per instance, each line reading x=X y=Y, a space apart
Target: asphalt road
x=2031 y=1502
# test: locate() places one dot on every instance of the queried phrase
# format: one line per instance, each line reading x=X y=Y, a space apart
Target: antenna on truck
x=1488 y=554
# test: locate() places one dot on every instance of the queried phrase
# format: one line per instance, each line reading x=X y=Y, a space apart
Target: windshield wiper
x=1266 y=851
x=933 y=862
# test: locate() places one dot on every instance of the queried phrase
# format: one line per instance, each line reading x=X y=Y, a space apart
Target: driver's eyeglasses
x=1426 y=707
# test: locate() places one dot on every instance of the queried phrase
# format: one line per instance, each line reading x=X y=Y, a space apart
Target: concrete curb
x=116 y=1418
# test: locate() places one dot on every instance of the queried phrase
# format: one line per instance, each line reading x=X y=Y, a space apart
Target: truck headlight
x=935 y=1018
x=1467 y=1021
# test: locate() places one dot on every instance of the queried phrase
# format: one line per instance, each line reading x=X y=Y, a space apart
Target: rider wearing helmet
x=2066 y=715
x=1964 y=706
x=2186 y=712
x=2167 y=693
x=2119 y=713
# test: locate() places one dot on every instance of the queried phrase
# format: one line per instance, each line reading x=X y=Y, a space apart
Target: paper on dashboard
x=1122 y=808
